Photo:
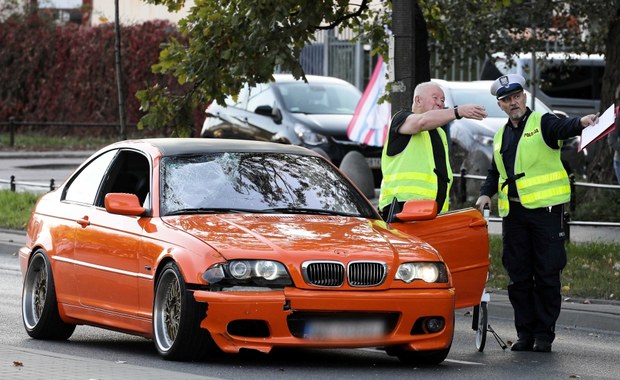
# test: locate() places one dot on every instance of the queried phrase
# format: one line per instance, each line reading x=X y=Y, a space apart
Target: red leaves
x=67 y=73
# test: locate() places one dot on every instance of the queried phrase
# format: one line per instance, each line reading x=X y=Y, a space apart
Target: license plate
x=322 y=329
x=374 y=162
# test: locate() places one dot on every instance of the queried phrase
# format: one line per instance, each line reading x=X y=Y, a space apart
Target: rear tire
x=176 y=319
x=39 y=305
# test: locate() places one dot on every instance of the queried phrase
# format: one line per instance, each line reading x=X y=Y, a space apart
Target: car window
x=324 y=98
x=83 y=188
x=465 y=96
x=257 y=182
x=476 y=96
x=260 y=95
x=129 y=173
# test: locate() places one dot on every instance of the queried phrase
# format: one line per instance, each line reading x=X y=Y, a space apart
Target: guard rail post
x=12 y=126
x=12 y=183
x=571 y=207
x=52 y=185
x=463 y=186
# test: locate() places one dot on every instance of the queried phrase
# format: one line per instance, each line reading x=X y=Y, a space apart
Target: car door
x=107 y=245
x=461 y=237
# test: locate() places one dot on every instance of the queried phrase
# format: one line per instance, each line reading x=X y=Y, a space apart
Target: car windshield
x=324 y=98
x=257 y=182
x=476 y=96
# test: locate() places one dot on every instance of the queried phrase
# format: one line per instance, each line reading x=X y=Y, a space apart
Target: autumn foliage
x=67 y=72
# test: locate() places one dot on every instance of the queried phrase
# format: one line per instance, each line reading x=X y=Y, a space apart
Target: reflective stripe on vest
x=545 y=182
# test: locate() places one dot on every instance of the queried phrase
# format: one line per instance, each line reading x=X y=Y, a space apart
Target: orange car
x=205 y=244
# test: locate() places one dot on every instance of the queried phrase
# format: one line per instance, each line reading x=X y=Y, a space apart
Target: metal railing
x=13 y=184
x=462 y=197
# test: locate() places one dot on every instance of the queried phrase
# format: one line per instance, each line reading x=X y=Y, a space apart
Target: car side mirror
x=264 y=110
x=123 y=204
x=273 y=112
x=418 y=210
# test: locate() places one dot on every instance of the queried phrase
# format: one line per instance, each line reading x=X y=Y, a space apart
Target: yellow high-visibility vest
x=541 y=179
x=410 y=174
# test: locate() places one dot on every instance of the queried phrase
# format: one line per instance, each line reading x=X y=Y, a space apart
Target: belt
x=514 y=199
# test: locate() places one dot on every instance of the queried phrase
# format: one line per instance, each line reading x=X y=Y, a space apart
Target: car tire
x=176 y=319
x=420 y=358
x=354 y=165
x=39 y=305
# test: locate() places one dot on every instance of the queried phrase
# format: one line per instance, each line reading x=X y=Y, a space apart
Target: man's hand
x=588 y=120
x=483 y=200
x=472 y=111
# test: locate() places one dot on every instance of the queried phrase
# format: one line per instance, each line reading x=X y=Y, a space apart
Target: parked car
x=314 y=115
x=205 y=245
x=471 y=141
x=570 y=83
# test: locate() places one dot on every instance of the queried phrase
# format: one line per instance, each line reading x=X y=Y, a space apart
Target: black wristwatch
x=456 y=113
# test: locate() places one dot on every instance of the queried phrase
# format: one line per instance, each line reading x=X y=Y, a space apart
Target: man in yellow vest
x=415 y=163
x=532 y=187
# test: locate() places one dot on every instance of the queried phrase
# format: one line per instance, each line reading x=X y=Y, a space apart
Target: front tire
x=420 y=358
x=39 y=305
x=176 y=319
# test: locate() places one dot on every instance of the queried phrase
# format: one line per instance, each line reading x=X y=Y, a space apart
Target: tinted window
x=578 y=82
x=324 y=98
x=83 y=188
x=256 y=182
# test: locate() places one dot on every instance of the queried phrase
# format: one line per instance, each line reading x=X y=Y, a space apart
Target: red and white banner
x=371 y=120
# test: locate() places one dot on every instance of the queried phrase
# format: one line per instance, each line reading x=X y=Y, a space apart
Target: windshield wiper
x=213 y=210
x=317 y=211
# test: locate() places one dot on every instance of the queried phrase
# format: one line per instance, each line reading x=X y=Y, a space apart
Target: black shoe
x=522 y=345
x=541 y=345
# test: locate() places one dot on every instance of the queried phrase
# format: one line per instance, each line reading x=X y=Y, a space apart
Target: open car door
x=462 y=239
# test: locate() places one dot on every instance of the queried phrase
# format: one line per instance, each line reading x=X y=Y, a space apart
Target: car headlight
x=426 y=271
x=483 y=139
x=309 y=137
x=260 y=273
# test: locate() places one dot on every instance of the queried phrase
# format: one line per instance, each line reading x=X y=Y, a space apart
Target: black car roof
x=180 y=146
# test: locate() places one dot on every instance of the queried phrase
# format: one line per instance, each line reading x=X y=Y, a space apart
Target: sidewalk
x=23 y=363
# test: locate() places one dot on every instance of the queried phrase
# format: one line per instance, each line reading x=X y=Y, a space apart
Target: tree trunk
x=411 y=55
x=601 y=167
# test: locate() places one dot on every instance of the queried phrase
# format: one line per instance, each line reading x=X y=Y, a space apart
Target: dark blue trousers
x=534 y=256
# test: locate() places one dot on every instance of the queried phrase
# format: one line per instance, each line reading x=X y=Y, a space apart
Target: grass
x=47 y=143
x=15 y=209
x=593 y=269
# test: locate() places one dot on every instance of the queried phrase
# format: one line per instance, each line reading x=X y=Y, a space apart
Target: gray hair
x=421 y=87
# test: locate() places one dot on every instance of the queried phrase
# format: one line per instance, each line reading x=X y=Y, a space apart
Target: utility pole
x=411 y=57
x=119 y=72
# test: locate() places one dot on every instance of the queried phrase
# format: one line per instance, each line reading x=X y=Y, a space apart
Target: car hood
x=327 y=124
x=303 y=236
